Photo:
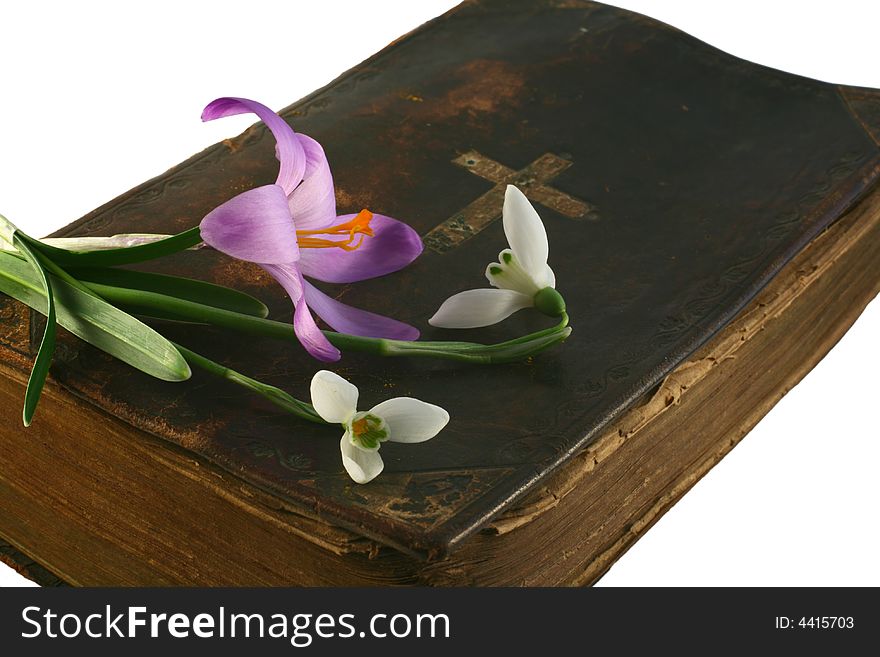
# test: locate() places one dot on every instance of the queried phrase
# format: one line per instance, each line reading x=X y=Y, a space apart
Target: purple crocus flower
x=291 y=229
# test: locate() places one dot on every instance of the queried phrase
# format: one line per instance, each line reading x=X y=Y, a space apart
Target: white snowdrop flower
x=521 y=278
x=400 y=420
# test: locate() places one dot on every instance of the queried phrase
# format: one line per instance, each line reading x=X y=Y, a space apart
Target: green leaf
x=40 y=370
x=95 y=321
x=121 y=256
x=186 y=289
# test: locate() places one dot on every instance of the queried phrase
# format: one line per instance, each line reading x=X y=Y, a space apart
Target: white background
x=98 y=97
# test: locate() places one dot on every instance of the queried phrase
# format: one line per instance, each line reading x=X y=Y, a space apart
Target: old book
x=707 y=217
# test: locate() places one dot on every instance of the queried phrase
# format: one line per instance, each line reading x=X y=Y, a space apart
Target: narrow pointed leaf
x=95 y=321
x=187 y=289
x=122 y=256
x=40 y=370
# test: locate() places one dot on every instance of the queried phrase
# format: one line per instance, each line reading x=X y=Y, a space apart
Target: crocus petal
x=475 y=308
x=392 y=247
x=411 y=420
x=253 y=226
x=361 y=465
x=347 y=319
x=313 y=203
x=310 y=335
x=307 y=332
x=291 y=156
x=334 y=398
x=525 y=234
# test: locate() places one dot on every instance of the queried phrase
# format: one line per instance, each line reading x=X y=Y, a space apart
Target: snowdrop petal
x=510 y=275
x=361 y=465
x=411 y=420
x=525 y=233
x=334 y=398
x=475 y=308
x=548 y=279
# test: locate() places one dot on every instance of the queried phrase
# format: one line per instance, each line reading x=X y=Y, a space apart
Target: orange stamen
x=359 y=426
x=358 y=226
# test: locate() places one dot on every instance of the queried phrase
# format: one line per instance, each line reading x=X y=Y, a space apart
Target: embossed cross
x=532 y=180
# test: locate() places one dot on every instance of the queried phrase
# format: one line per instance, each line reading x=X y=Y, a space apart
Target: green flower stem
x=275 y=395
x=162 y=306
x=470 y=352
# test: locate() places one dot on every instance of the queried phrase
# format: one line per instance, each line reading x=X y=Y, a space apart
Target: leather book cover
x=674 y=181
